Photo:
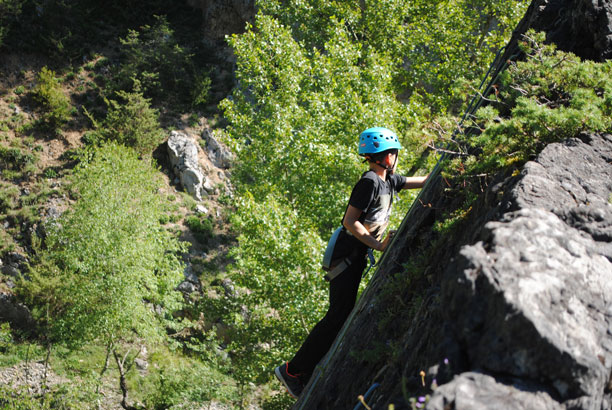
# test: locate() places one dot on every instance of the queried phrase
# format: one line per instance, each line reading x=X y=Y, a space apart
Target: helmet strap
x=384 y=163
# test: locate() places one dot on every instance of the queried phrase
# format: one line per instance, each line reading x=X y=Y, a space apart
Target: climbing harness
x=335 y=267
x=472 y=107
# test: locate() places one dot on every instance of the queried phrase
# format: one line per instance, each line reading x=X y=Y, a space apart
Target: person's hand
x=386 y=241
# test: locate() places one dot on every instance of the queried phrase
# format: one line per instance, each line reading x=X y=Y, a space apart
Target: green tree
x=274 y=266
x=131 y=121
x=9 y=11
x=434 y=46
x=296 y=113
x=107 y=265
x=54 y=104
x=153 y=56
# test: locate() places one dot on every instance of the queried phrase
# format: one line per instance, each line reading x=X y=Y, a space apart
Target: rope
x=475 y=103
x=366 y=396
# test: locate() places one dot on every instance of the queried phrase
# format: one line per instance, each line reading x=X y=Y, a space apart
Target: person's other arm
x=415 y=182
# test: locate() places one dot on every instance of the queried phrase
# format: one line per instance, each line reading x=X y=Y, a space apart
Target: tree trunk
x=122 y=380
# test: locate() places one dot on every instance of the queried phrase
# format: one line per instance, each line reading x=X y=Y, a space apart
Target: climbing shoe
x=292 y=382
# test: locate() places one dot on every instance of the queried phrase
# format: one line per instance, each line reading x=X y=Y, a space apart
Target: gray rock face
x=15 y=313
x=478 y=391
x=533 y=298
x=183 y=155
x=224 y=17
x=220 y=156
x=583 y=27
x=535 y=301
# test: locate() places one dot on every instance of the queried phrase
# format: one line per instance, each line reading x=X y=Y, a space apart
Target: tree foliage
x=435 y=46
x=275 y=261
x=54 y=104
x=9 y=12
x=130 y=121
x=311 y=75
x=153 y=56
x=295 y=115
x=550 y=96
x=107 y=263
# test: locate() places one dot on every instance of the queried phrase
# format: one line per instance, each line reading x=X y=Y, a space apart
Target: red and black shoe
x=292 y=382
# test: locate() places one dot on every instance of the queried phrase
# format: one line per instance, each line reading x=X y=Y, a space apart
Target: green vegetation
x=154 y=57
x=54 y=104
x=110 y=251
x=548 y=97
x=104 y=258
x=9 y=12
x=131 y=122
x=201 y=227
x=277 y=261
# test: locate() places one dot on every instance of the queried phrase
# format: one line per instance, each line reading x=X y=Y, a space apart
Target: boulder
x=17 y=314
x=183 y=156
x=508 y=299
x=218 y=153
x=479 y=391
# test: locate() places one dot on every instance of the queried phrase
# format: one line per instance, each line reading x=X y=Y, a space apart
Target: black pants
x=342 y=294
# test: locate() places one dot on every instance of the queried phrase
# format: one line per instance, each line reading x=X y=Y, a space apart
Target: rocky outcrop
x=221 y=18
x=183 y=156
x=15 y=313
x=533 y=298
x=219 y=154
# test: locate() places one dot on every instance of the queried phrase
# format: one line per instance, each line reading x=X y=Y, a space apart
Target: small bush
x=54 y=105
x=50 y=173
x=6 y=338
x=154 y=57
x=129 y=121
x=15 y=159
x=202 y=228
x=548 y=97
x=201 y=90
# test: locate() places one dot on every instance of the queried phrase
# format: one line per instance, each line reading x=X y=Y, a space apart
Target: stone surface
x=224 y=17
x=183 y=156
x=478 y=391
x=534 y=300
x=218 y=153
x=15 y=313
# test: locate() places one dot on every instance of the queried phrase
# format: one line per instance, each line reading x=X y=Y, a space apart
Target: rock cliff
x=512 y=310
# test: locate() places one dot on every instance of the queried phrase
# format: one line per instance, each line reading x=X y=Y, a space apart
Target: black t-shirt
x=374 y=197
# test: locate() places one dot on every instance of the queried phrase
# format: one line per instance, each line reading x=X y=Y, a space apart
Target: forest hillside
x=171 y=172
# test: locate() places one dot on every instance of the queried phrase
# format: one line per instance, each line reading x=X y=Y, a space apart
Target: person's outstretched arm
x=415 y=182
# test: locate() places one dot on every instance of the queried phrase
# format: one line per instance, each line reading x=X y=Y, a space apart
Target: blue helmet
x=377 y=139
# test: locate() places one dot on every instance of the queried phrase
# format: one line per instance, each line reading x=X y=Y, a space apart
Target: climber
x=363 y=226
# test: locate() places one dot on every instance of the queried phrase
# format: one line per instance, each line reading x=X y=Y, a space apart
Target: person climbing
x=363 y=225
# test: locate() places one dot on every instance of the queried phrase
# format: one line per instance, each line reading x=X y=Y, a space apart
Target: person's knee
x=337 y=316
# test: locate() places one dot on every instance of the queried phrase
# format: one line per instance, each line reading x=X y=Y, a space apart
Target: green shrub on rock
x=54 y=104
x=550 y=96
x=130 y=121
